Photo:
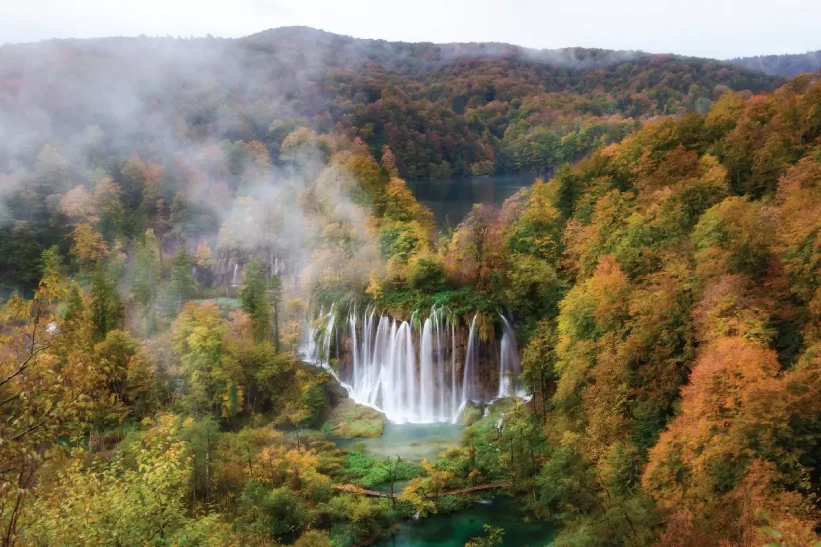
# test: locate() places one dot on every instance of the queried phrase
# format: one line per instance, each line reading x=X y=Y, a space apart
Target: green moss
x=487 y=424
x=470 y=416
x=349 y=420
x=369 y=472
x=463 y=302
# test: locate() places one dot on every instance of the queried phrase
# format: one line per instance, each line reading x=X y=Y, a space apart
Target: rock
x=470 y=415
x=349 y=419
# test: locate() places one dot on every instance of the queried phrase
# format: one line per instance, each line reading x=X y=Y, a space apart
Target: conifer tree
x=252 y=295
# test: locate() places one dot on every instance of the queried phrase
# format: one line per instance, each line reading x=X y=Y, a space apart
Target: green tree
x=254 y=300
x=539 y=365
x=106 y=307
x=181 y=284
x=493 y=537
x=145 y=279
x=275 y=299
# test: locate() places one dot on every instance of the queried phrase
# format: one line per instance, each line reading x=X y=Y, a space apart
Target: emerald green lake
x=415 y=442
x=455 y=529
x=412 y=442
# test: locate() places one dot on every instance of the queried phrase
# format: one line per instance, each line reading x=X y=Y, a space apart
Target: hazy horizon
x=724 y=29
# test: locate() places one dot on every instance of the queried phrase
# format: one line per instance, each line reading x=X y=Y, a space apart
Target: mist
x=73 y=112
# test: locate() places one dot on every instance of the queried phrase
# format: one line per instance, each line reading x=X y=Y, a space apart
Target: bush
x=370 y=472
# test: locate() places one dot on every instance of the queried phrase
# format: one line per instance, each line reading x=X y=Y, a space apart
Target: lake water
x=455 y=529
x=413 y=442
x=452 y=199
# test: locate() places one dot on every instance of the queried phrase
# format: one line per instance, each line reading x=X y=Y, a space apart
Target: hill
x=444 y=109
x=787 y=66
x=177 y=214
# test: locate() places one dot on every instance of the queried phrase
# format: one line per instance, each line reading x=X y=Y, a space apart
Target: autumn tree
x=50 y=385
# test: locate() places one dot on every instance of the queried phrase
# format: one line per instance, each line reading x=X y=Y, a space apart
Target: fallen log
x=353 y=489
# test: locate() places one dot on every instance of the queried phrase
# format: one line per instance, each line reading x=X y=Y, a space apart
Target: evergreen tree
x=105 y=304
x=254 y=301
x=275 y=297
x=181 y=286
x=74 y=305
x=52 y=261
x=145 y=279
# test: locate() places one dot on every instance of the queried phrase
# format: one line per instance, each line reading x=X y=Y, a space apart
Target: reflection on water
x=413 y=442
x=452 y=199
x=455 y=529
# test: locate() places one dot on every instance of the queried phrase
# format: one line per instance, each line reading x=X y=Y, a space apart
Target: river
x=452 y=199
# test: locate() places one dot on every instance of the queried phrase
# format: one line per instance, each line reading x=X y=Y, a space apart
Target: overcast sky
x=709 y=28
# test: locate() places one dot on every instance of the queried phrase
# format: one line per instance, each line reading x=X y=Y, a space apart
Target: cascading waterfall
x=386 y=372
x=510 y=367
x=467 y=380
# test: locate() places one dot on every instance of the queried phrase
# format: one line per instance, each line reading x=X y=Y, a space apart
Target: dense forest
x=789 y=65
x=444 y=110
x=172 y=211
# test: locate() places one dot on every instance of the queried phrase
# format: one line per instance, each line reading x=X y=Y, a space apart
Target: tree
x=204 y=262
x=254 y=300
x=539 y=365
x=275 y=301
x=106 y=308
x=20 y=255
x=293 y=416
x=78 y=205
x=109 y=208
x=114 y=503
x=493 y=537
x=89 y=246
x=197 y=337
x=698 y=457
x=389 y=162
x=145 y=279
x=469 y=256
x=50 y=386
x=181 y=283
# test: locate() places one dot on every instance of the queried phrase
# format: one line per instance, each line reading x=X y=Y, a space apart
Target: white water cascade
x=510 y=367
x=388 y=373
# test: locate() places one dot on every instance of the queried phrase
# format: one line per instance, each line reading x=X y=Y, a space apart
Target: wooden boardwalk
x=353 y=489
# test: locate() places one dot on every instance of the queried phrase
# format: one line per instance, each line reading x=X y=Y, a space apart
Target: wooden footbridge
x=353 y=489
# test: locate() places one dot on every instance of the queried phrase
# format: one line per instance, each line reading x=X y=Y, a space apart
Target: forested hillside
x=676 y=379
x=444 y=110
x=788 y=66
x=172 y=213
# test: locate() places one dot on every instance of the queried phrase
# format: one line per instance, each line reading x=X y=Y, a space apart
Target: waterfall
x=405 y=369
x=235 y=280
x=454 y=405
x=467 y=379
x=426 y=357
x=510 y=367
